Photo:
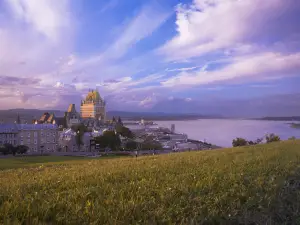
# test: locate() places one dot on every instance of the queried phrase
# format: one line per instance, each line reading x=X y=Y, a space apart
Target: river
x=221 y=132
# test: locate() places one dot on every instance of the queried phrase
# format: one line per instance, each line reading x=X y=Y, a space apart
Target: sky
x=204 y=56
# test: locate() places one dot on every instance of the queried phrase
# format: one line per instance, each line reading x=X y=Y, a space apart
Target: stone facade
x=72 y=117
x=9 y=134
x=38 y=137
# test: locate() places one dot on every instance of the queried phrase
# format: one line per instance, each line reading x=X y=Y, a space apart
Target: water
x=221 y=132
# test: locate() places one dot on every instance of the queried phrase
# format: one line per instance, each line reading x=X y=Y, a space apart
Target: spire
x=18 y=121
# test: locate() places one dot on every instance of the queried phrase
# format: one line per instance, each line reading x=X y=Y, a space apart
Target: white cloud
x=210 y=25
x=256 y=67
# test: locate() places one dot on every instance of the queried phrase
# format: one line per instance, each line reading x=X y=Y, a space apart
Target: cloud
x=49 y=18
x=10 y=81
x=215 y=25
x=256 y=67
x=33 y=35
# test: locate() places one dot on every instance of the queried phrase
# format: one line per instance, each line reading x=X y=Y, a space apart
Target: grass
x=248 y=185
x=34 y=161
x=30 y=161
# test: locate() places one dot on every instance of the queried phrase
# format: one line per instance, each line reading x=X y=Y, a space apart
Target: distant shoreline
x=295 y=125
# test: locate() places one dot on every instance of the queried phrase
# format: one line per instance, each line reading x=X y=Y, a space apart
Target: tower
x=18 y=121
x=173 y=128
x=93 y=106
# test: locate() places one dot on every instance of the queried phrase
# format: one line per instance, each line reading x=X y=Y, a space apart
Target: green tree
x=10 y=149
x=109 y=139
x=80 y=129
x=239 y=142
x=4 y=150
x=292 y=138
x=22 y=149
x=131 y=145
x=151 y=145
x=124 y=131
x=272 y=138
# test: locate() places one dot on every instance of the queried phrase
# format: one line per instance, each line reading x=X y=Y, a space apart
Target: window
x=28 y=135
x=21 y=142
x=28 y=141
x=35 y=141
x=53 y=140
x=54 y=147
x=42 y=134
x=35 y=134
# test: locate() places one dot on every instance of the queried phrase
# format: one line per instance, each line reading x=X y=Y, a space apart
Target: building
x=93 y=106
x=173 y=128
x=72 y=117
x=38 y=137
x=46 y=118
x=9 y=134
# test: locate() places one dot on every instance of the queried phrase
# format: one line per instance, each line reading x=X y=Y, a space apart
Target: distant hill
x=10 y=115
x=287 y=118
x=158 y=115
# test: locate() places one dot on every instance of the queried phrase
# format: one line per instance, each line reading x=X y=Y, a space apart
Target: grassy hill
x=249 y=185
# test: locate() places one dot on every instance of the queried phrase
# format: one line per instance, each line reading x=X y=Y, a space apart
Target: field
x=249 y=185
x=34 y=161
x=20 y=162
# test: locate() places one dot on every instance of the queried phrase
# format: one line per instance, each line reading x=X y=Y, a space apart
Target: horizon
x=153 y=56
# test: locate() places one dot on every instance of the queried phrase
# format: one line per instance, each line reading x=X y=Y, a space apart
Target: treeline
x=9 y=149
x=269 y=138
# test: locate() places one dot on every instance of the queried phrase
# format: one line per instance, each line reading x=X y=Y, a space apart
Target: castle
x=92 y=111
x=93 y=106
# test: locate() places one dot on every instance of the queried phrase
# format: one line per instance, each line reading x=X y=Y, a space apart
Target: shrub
x=239 y=142
x=272 y=138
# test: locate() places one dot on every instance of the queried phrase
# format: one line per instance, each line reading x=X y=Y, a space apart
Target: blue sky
x=140 y=53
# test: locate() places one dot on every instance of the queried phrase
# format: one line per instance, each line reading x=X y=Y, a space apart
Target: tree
x=292 y=138
x=272 y=138
x=131 y=145
x=124 y=131
x=151 y=145
x=22 y=149
x=10 y=149
x=4 y=150
x=109 y=139
x=251 y=143
x=80 y=129
x=239 y=142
